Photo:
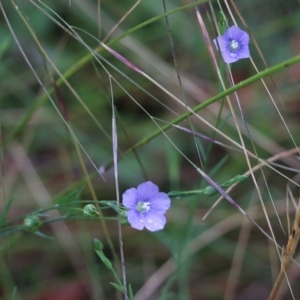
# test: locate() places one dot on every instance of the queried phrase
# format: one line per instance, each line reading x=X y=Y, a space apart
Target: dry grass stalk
x=286 y=258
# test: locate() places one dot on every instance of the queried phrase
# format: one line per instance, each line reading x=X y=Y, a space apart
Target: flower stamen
x=143 y=206
x=234 y=45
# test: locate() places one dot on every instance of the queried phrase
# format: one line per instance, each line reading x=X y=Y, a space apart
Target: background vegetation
x=56 y=134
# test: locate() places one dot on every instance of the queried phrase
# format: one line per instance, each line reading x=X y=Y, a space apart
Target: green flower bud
x=90 y=211
x=124 y=220
x=241 y=178
x=98 y=246
x=123 y=213
x=32 y=223
x=209 y=191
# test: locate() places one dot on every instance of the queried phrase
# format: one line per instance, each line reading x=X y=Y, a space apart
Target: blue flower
x=146 y=206
x=233 y=44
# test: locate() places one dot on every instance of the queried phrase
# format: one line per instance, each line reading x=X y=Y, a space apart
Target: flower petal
x=160 y=203
x=146 y=191
x=219 y=43
x=135 y=219
x=154 y=221
x=229 y=57
x=237 y=34
x=129 y=198
x=244 y=52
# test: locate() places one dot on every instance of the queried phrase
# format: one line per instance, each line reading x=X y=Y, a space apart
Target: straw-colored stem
x=286 y=258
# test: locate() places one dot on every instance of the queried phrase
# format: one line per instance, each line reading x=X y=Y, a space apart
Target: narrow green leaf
x=104 y=259
x=222 y=22
x=118 y=287
x=130 y=292
x=68 y=198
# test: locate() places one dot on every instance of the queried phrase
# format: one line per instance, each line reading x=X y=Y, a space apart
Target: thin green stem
x=275 y=69
x=279 y=67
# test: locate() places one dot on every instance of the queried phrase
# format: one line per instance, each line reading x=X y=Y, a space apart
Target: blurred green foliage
x=40 y=162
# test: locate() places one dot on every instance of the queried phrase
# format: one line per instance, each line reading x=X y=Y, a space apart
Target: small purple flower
x=146 y=206
x=233 y=44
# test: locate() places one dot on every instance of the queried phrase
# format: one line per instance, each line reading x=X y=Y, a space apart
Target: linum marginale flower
x=146 y=206
x=233 y=44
